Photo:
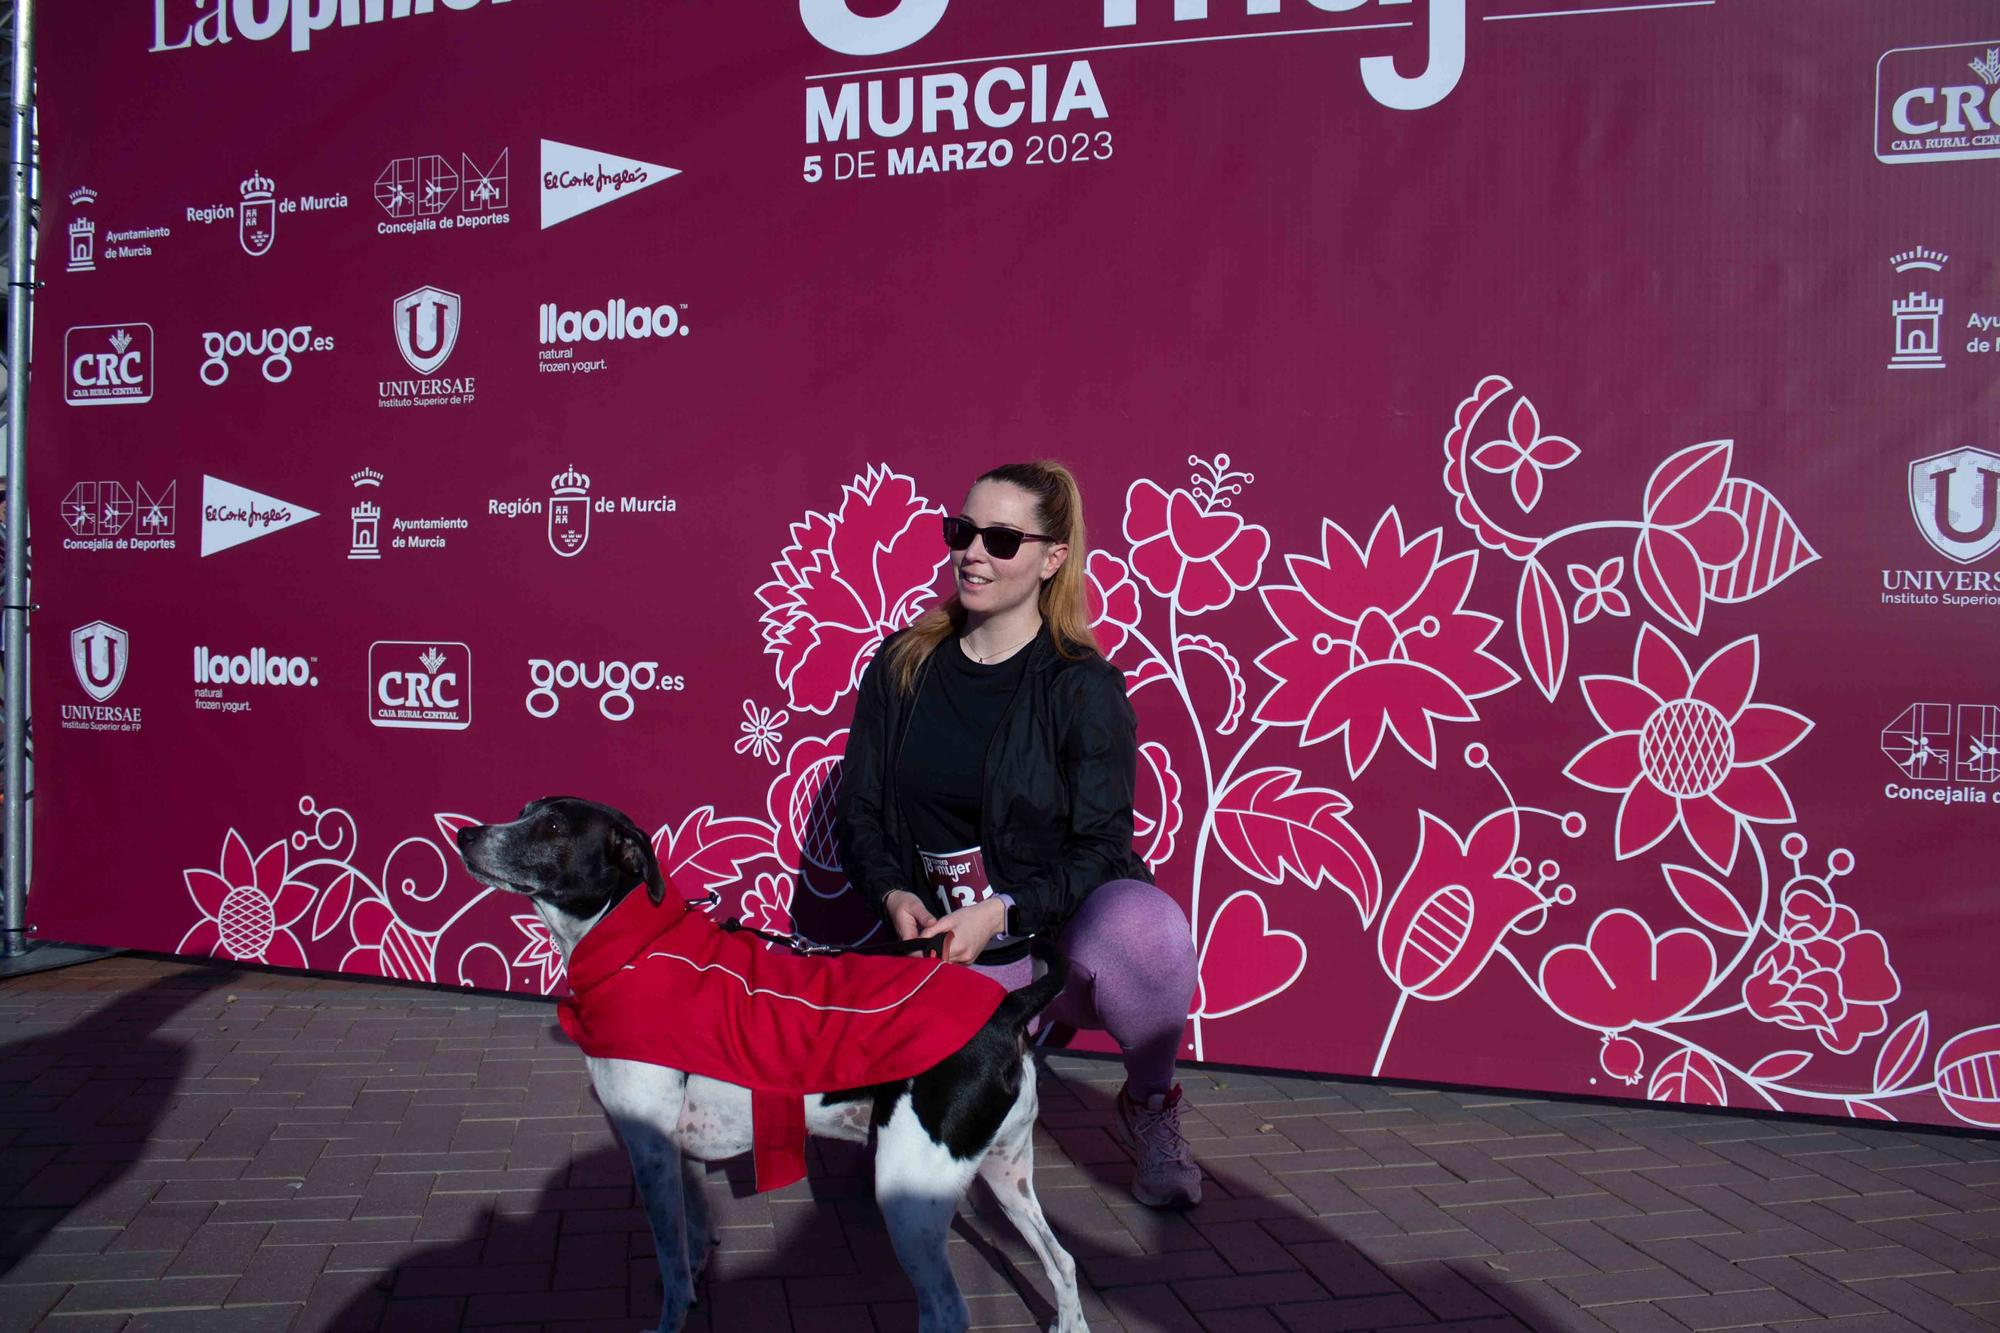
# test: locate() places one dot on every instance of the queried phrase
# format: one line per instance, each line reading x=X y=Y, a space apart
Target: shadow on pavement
x=78 y=1106
x=816 y=1256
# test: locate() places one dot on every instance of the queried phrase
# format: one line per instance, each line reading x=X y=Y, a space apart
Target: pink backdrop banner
x=1540 y=456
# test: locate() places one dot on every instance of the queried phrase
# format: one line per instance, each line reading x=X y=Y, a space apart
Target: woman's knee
x=1132 y=918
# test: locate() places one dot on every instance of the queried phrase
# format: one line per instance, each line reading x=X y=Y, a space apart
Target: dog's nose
x=466 y=834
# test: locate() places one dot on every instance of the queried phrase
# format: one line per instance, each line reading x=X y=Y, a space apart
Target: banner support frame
x=13 y=940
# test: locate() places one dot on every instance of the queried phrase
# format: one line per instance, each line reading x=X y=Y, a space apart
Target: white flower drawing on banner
x=1361 y=639
x=248 y=906
x=763 y=731
x=848 y=580
x=1688 y=750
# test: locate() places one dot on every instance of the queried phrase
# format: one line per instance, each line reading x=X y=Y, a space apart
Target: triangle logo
x=232 y=515
x=576 y=180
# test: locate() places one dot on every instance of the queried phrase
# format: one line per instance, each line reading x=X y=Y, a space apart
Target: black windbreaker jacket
x=1059 y=781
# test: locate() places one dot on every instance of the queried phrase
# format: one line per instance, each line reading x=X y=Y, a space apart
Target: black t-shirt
x=941 y=768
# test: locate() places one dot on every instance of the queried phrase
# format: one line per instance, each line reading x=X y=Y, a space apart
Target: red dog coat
x=667 y=986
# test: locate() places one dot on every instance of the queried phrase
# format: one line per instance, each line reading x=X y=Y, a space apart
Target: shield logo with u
x=98 y=651
x=426 y=322
x=1955 y=498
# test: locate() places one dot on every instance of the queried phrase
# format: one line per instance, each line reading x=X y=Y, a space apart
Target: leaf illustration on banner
x=1243 y=961
x=1542 y=621
x=1868 y=1111
x=1670 y=576
x=1156 y=822
x=1232 y=673
x=1691 y=1077
x=332 y=909
x=1968 y=1076
x=1773 y=548
x=1780 y=1065
x=448 y=825
x=1687 y=483
x=1707 y=901
x=713 y=849
x=1902 y=1052
x=1148 y=672
x=1269 y=825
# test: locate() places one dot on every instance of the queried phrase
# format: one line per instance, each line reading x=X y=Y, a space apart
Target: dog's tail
x=1021 y=1006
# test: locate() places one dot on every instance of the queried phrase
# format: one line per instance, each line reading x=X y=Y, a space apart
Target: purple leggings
x=1131 y=974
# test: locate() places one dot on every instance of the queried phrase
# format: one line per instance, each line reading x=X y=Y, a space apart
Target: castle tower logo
x=1955 y=498
x=257 y=219
x=1919 y=316
x=569 y=512
x=82 y=233
x=365 y=536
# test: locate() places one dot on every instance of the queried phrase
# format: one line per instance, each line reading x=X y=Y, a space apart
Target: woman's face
x=989 y=586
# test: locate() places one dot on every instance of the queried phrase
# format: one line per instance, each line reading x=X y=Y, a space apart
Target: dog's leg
x=1009 y=1170
x=918 y=1183
x=694 y=1202
x=644 y=1102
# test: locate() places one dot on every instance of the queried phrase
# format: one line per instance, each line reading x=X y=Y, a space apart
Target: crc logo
x=276 y=346
x=615 y=680
x=99 y=652
x=108 y=365
x=426 y=322
x=260 y=666
x=423 y=686
x=1955 y=498
x=1938 y=103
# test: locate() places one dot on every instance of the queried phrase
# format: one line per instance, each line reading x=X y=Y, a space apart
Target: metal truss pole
x=20 y=225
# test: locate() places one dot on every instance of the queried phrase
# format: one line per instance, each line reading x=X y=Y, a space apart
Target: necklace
x=987 y=659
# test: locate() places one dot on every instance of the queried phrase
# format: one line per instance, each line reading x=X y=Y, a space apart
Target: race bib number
x=959 y=878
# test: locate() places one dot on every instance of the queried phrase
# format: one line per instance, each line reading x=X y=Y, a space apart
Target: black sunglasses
x=1001 y=543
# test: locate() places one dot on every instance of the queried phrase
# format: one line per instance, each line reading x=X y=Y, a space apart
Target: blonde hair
x=1064 y=599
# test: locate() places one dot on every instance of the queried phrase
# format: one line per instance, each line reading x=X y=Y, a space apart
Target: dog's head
x=569 y=854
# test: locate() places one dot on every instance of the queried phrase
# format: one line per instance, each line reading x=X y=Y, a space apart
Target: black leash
x=799 y=944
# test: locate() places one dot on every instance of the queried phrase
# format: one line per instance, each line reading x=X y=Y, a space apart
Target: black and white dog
x=972 y=1114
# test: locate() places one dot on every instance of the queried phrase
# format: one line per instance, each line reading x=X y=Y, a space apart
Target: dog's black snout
x=469 y=835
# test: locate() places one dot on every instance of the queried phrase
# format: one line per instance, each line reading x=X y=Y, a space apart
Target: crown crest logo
x=367 y=476
x=259 y=188
x=83 y=194
x=570 y=482
x=1988 y=68
x=432 y=660
x=1920 y=257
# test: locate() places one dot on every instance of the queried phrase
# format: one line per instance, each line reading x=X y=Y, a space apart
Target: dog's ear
x=635 y=857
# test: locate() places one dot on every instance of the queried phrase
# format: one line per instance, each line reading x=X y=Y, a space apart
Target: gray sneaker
x=1164 y=1174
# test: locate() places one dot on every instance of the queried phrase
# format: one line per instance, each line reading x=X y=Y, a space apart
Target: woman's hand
x=971 y=928
x=907 y=914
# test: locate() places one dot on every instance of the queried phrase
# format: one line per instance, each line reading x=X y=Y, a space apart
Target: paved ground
x=208 y=1149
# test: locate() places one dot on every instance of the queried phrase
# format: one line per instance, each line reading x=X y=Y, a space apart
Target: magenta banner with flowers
x=1539 y=456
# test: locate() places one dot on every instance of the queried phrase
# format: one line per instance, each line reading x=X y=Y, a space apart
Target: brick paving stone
x=326 y=1154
